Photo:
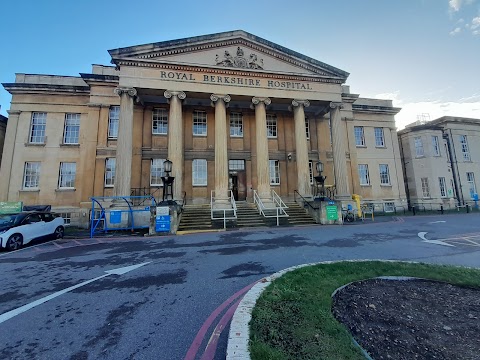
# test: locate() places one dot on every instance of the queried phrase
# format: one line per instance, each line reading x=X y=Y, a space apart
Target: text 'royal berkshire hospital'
x=234 y=113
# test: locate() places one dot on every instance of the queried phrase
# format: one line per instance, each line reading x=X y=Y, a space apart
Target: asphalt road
x=157 y=310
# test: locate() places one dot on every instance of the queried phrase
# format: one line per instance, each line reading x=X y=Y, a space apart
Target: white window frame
x=379 y=137
x=236 y=124
x=113 y=120
x=363 y=174
x=465 y=150
x=307 y=128
x=159 y=121
x=419 y=152
x=389 y=207
x=435 y=146
x=310 y=171
x=71 y=131
x=37 y=128
x=274 y=170
x=471 y=183
x=425 y=188
x=199 y=123
x=199 y=172
x=156 y=172
x=359 y=136
x=236 y=165
x=67 y=175
x=67 y=218
x=443 y=186
x=384 y=174
x=31 y=175
x=110 y=164
x=272 y=126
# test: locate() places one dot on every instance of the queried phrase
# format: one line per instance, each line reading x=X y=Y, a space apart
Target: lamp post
x=167 y=183
x=320 y=180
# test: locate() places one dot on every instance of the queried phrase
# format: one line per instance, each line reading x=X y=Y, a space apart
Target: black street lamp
x=167 y=183
x=320 y=180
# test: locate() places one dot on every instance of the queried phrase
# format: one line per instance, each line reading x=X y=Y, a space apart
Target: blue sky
x=423 y=54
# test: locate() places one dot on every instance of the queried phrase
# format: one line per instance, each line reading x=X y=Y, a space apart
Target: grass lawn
x=292 y=318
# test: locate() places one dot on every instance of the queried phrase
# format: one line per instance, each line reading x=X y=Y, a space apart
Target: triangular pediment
x=235 y=50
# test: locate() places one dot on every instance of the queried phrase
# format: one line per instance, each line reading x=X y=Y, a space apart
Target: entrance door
x=237 y=183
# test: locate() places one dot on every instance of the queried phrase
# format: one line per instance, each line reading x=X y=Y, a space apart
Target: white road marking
x=120 y=271
x=436 y=222
x=422 y=234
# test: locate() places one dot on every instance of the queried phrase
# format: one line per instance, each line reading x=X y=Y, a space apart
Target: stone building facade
x=232 y=111
x=3 y=129
x=442 y=161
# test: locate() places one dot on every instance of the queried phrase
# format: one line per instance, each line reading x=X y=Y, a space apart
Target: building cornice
x=375 y=109
x=91 y=79
x=19 y=88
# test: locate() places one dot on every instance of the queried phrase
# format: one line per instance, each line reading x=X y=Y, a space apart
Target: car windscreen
x=7 y=221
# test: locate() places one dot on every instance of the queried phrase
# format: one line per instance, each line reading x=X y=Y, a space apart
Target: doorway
x=237 y=179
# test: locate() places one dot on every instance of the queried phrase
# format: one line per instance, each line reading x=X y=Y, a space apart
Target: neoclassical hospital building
x=230 y=110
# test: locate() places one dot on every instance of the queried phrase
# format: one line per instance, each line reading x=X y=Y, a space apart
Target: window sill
x=159 y=134
x=366 y=185
x=420 y=157
x=29 y=190
x=109 y=186
x=380 y=147
x=200 y=185
x=236 y=136
x=70 y=145
x=199 y=135
x=361 y=146
x=275 y=184
x=35 y=144
x=65 y=189
x=272 y=137
x=386 y=185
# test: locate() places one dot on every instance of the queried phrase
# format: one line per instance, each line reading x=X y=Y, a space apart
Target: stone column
x=221 y=156
x=301 y=146
x=123 y=162
x=263 y=169
x=7 y=157
x=339 y=157
x=175 y=140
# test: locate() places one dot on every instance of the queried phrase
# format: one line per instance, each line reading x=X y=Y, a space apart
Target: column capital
x=335 y=105
x=215 y=97
x=298 y=102
x=169 y=94
x=129 y=91
x=257 y=100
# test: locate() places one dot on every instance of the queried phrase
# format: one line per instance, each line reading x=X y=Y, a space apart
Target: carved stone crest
x=239 y=61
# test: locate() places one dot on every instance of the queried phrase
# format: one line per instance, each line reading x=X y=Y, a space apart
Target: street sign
x=162 y=223
x=163 y=210
x=10 y=207
x=115 y=217
x=332 y=213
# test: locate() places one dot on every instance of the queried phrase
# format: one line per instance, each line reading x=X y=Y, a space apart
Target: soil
x=411 y=319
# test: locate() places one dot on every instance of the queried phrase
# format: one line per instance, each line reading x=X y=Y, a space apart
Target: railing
x=277 y=201
x=232 y=209
x=305 y=201
x=137 y=193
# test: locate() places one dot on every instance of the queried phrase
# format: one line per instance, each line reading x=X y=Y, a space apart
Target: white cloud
x=475 y=23
x=455 y=4
x=456 y=31
x=465 y=107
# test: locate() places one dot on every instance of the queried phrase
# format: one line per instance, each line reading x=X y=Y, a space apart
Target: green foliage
x=292 y=318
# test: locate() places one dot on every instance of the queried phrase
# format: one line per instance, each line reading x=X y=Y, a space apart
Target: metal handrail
x=277 y=200
x=225 y=210
x=305 y=201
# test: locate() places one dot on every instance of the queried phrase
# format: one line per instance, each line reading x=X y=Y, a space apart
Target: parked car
x=19 y=229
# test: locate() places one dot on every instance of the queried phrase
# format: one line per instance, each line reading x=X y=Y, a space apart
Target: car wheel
x=59 y=232
x=14 y=242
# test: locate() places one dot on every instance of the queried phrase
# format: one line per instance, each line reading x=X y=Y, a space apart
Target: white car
x=17 y=230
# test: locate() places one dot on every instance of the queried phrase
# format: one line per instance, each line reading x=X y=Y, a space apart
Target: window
x=66 y=179
x=446 y=152
x=435 y=146
x=271 y=126
x=37 y=128
x=384 y=174
x=110 y=172
x=159 y=122
x=418 y=147
x=67 y=217
x=310 y=171
x=236 y=164
x=452 y=186
x=156 y=172
x=113 y=122
x=199 y=123
x=31 y=175
x=389 y=207
x=443 y=187
x=425 y=188
x=199 y=172
x=471 y=183
x=359 y=136
x=330 y=130
x=363 y=174
x=307 y=128
x=236 y=125
x=72 y=129
x=379 y=138
x=274 y=172
x=465 y=152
